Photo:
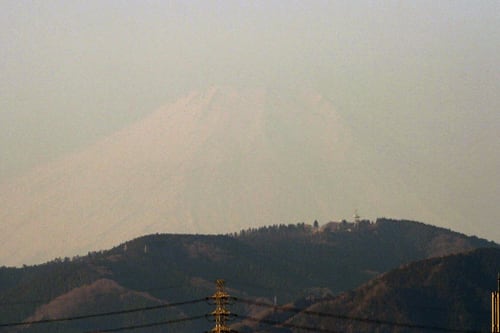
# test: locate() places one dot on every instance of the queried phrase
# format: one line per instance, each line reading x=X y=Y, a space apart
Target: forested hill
x=445 y=294
x=283 y=261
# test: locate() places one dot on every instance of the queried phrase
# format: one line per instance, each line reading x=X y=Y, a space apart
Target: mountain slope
x=214 y=161
x=448 y=292
x=88 y=299
x=282 y=261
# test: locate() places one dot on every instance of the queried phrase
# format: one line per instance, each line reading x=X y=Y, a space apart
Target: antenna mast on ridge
x=356 y=216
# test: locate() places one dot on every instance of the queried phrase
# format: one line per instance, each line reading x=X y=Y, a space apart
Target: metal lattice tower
x=221 y=313
x=495 y=309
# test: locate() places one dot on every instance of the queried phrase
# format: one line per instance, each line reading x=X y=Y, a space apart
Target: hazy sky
x=417 y=81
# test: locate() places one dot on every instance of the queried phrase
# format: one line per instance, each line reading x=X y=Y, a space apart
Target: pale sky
x=417 y=81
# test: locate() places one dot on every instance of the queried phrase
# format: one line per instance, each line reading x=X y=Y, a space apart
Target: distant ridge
x=290 y=262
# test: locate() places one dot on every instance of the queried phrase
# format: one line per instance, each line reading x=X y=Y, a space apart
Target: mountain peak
x=214 y=161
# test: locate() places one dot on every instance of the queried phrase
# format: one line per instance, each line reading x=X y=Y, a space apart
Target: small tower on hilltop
x=356 y=217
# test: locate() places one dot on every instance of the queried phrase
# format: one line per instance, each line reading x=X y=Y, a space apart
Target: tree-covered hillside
x=282 y=262
x=449 y=293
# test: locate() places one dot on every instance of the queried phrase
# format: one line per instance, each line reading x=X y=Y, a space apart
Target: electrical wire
x=134 y=327
x=103 y=314
x=49 y=300
x=245 y=301
x=25 y=302
x=289 y=325
x=351 y=318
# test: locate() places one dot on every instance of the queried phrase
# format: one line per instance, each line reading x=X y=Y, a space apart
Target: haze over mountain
x=414 y=87
x=214 y=161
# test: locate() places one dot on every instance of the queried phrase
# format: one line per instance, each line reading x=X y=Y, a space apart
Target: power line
x=134 y=327
x=359 y=319
x=25 y=302
x=241 y=300
x=40 y=301
x=289 y=325
x=103 y=314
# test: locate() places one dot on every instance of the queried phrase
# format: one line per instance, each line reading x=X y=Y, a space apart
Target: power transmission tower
x=221 y=313
x=495 y=309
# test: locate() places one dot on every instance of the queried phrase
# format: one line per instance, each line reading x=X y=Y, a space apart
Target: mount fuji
x=214 y=161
